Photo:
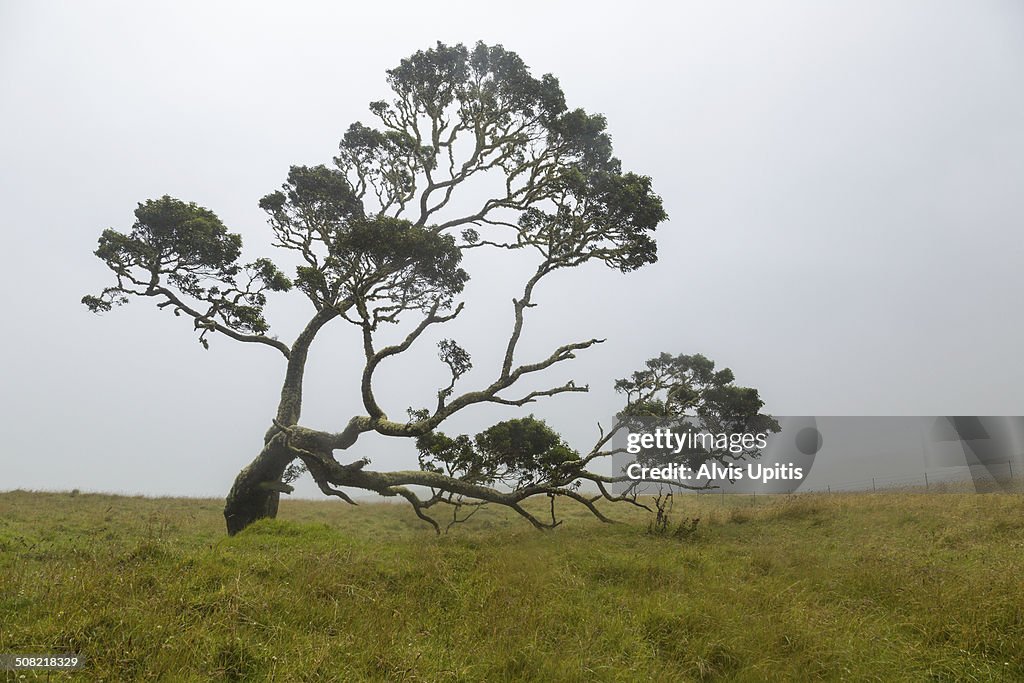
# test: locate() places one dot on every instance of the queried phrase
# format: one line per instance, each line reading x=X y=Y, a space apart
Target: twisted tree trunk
x=257 y=488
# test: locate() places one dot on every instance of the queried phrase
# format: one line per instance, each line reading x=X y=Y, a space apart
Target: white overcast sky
x=844 y=181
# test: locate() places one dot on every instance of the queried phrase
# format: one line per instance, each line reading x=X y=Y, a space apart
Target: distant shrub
x=662 y=524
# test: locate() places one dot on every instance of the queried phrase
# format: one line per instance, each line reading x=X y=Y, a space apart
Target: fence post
x=873 y=489
x=925 y=481
x=1010 y=463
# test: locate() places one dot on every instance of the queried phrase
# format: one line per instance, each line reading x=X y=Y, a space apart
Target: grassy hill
x=885 y=587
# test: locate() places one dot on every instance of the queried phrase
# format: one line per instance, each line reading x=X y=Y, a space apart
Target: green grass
x=857 y=587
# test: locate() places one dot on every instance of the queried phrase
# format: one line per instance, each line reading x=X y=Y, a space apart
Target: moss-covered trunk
x=257 y=488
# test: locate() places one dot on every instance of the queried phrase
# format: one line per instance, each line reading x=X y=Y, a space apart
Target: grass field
x=852 y=587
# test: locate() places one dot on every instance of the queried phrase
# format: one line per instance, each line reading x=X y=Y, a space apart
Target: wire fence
x=981 y=478
x=1005 y=477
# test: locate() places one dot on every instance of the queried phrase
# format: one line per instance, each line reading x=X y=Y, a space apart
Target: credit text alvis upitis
x=665 y=440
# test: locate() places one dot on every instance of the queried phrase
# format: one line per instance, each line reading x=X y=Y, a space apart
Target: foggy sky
x=843 y=180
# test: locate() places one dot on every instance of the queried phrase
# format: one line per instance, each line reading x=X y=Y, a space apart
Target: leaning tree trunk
x=257 y=488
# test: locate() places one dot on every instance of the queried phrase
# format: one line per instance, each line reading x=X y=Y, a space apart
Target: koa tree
x=379 y=242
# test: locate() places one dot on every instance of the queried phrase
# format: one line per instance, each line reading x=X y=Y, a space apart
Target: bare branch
x=533 y=520
x=533 y=395
x=417 y=505
x=374 y=358
x=204 y=321
x=458 y=505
